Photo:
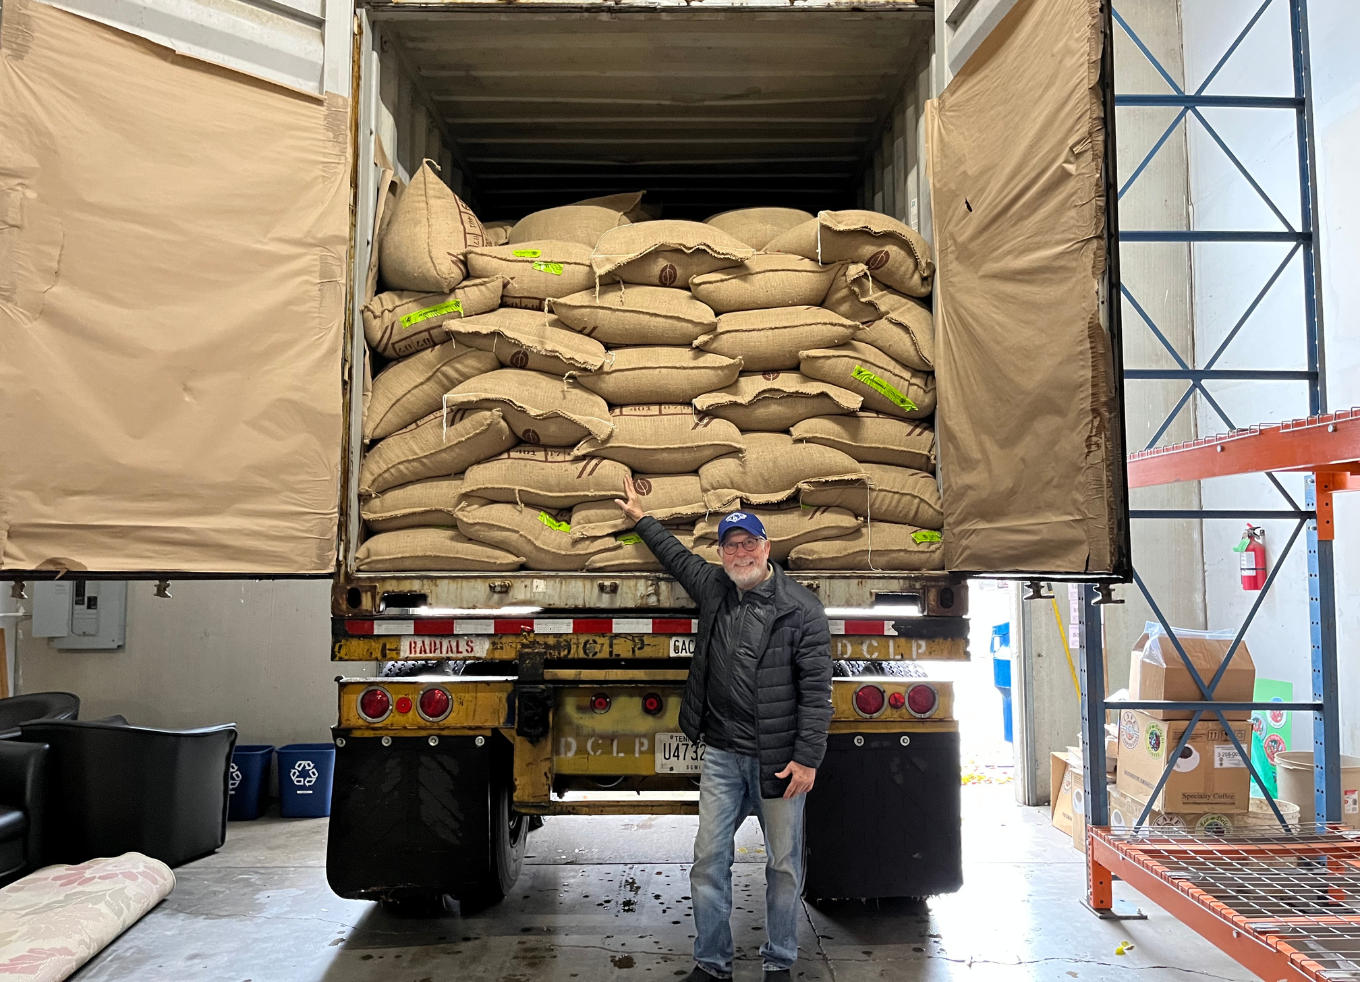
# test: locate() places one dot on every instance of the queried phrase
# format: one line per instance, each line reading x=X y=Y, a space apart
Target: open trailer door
x=174 y=232
x=1029 y=413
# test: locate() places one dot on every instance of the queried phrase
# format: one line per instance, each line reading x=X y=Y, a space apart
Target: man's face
x=744 y=557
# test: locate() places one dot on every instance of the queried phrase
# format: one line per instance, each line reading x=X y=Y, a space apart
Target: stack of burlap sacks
x=766 y=360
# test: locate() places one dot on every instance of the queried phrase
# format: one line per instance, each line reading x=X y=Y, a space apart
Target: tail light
x=896 y=700
x=870 y=701
x=599 y=703
x=434 y=704
x=652 y=704
x=403 y=704
x=922 y=700
x=375 y=704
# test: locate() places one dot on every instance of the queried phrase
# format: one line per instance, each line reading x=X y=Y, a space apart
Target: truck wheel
x=505 y=858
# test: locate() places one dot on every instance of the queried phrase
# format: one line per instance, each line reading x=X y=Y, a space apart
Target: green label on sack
x=925 y=536
x=862 y=374
x=553 y=523
x=527 y=253
x=629 y=539
x=438 y=310
x=554 y=268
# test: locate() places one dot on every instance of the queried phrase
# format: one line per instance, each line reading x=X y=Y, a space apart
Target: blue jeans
x=729 y=790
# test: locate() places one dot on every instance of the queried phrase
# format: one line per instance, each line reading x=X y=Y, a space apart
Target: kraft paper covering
x=173 y=241
x=1015 y=145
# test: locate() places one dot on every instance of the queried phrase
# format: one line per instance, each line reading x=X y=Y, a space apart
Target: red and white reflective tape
x=525 y=625
x=572 y=625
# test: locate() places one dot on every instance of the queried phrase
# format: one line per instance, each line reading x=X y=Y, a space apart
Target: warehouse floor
x=607 y=898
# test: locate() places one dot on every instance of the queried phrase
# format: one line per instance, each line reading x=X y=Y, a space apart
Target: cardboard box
x=1068 y=791
x=1156 y=671
x=1125 y=809
x=1210 y=776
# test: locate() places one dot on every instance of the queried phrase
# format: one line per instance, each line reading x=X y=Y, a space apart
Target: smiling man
x=759 y=697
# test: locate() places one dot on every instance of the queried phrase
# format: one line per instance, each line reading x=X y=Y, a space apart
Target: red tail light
x=652 y=704
x=922 y=700
x=434 y=704
x=869 y=700
x=896 y=700
x=599 y=702
x=403 y=704
x=375 y=704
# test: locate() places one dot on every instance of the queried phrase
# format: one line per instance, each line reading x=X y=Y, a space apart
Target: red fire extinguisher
x=1253 y=550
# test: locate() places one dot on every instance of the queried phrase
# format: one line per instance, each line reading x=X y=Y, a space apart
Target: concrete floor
x=605 y=898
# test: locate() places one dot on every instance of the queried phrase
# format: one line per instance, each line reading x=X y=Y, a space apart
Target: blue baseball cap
x=741 y=520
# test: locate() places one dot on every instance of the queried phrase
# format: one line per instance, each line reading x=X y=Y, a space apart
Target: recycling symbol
x=304 y=773
x=234 y=778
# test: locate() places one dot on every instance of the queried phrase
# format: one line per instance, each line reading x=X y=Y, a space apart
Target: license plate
x=416 y=647
x=682 y=646
x=676 y=755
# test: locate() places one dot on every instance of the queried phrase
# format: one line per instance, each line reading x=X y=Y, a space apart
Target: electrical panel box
x=80 y=614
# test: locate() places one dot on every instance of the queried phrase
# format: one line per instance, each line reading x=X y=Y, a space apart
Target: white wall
x=1226 y=279
x=256 y=653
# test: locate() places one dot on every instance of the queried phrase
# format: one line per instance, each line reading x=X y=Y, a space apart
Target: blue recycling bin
x=1001 y=676
x=305 y=771
x=247 y=785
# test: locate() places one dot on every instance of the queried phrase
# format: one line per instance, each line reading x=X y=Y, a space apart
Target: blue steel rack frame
x=1322 y=604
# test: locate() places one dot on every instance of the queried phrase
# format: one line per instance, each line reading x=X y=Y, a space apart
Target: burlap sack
x=770 y=340
x=877 y=546
x=661 y=438
x=634 y=315
x=765 y=281
x=581 y=223
x=634 y=376
x=887 y=387
x=535 y=271
x=529 y=339
x=431 y=230
x=894 y=253
x=541 y=536
x=540 y=410
x=631 y=555
x=414 y=387
x=401 y=322
x=427 y=503
x=497 y=233
x=774 y=469
x=665 y=253
x=775 y=401
x=913 y=346
x=545 y=477
x=627 y=202
x=434 y=448
x=873 y=438
x=854 y=295
x=757 y=226
x=668 y=498
x=432 y=549
x=788 y=526
x=896 y=494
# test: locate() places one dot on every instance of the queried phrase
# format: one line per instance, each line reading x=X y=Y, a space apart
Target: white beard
x=746 y=577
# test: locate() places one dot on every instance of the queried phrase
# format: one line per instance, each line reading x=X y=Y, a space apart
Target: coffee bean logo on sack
x=520 y=359
x=769 y=376
x=668 y=275
x=644 y=486
x=878 y=260
x=531 y=436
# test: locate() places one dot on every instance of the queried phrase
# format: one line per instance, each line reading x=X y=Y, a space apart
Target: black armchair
x=23 y=789
x=34 y=706
x=115 y=788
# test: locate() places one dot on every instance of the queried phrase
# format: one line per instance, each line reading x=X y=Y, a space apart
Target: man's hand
x=632 y=507
x=800 y=778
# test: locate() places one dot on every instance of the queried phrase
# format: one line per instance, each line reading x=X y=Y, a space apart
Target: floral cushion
x=55 y=920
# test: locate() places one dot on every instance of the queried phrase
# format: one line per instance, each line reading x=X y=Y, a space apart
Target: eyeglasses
x=742 y=545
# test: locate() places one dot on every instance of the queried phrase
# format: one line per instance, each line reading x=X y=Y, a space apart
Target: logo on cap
x=736 y=516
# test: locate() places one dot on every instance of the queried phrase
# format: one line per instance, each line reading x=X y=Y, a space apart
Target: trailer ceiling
x=706 y=110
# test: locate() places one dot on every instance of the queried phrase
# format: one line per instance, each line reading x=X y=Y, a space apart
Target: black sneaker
x=778 y=975
x=699 y=975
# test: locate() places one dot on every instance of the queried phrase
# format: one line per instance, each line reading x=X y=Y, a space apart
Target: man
x=759 y=697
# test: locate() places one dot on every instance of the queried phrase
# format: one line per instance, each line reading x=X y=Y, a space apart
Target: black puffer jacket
x=793 y=676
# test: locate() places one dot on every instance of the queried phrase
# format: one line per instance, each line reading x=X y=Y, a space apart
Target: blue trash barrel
x=305 y=771
x=1001 y=675
x=248 y=781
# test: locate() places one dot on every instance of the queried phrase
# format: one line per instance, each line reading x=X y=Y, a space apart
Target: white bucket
x=1294 y=770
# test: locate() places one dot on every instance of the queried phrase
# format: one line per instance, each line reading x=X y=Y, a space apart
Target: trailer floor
x=607 y=899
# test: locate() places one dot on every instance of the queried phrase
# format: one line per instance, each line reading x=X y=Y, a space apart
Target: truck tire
x=505 y=858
